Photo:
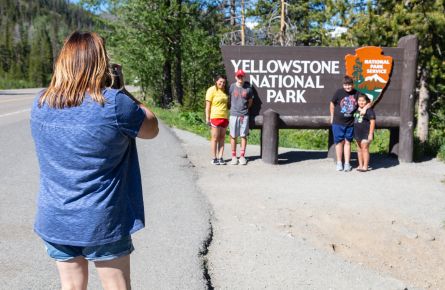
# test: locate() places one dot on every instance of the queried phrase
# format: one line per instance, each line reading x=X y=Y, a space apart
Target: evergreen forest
x=32 y=33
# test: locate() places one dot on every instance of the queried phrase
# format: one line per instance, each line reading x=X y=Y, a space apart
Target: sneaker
x=348 y=167
x=242 y=160
x=215 y=161
x=234 y=161
x=221 y=161
x=339 y=166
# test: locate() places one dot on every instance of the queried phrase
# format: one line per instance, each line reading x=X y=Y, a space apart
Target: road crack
x=203 y=253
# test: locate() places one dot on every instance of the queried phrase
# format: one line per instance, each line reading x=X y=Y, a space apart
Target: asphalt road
x=168 y=250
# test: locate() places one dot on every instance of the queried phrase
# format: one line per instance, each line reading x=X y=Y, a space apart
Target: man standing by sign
x=240 y=101
x=342 y=108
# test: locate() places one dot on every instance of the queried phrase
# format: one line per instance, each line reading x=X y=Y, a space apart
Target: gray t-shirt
x=239 y=99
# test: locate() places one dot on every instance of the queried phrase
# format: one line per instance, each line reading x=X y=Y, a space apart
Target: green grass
x=435 y=146
x=189 y=121
x=441 y=154
x=6 y=84
x=290 y=138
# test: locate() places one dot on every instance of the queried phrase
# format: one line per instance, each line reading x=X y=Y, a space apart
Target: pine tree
x=357 y=74
x=170 y=46
x=304 y=21
x=41 y=58
x=385 y=22
x=20 y=29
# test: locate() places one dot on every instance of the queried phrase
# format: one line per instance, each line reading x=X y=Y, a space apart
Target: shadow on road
x=378 y=160
x=297 y=156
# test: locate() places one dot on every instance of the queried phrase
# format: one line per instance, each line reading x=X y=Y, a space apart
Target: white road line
x=16 y=112
x=16 y=100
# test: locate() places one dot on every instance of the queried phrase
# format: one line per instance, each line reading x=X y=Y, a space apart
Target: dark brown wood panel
x=316 y=100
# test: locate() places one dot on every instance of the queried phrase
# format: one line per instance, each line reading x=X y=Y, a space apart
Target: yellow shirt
x=218 y=100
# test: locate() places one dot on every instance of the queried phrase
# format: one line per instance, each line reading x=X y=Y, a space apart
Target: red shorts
x=219 y=122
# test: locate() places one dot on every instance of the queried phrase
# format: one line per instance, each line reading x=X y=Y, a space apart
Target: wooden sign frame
x=293 y=87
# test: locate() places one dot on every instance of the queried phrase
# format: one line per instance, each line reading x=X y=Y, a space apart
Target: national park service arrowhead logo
x=370 y=70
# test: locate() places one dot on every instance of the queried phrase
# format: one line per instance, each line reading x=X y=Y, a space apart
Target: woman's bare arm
x=149 y=128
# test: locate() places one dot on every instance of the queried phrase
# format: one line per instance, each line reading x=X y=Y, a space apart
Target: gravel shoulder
x=302 y=225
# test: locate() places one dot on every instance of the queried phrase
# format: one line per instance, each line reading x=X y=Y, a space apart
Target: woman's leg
x=365 y=150
x=359 y=154
x=73 y=274
x=221 y=141
x=214 y=141
x=115 y=274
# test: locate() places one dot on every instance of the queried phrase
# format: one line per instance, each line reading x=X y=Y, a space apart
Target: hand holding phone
x=117 y=76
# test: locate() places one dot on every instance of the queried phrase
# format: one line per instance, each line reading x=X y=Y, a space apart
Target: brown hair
x=347 y=80
x=82 y=66
x=367 y=99
x=220 y=77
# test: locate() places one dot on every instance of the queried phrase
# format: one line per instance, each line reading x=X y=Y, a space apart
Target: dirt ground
x=302 y=225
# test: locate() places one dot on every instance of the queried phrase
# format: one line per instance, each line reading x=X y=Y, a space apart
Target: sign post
x=410 y=45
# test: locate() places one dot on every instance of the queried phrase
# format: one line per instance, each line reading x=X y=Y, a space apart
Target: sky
x=250 y=21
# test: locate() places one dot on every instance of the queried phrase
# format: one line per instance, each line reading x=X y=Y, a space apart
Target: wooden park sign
x=294 y=85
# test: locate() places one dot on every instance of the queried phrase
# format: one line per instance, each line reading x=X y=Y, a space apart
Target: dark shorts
x=359 y=136
x=219 y=122
x=342 y=132
x=105 y=252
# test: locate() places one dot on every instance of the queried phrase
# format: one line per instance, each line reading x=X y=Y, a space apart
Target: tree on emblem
x=357 y=72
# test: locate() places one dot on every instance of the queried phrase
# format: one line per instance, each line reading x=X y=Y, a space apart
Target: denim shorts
x=105 y=252
x=341 y=133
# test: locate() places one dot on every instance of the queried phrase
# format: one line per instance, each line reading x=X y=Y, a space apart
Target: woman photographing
x=90 y=197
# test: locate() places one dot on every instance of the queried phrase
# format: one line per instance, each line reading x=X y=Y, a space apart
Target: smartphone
x=117 y=76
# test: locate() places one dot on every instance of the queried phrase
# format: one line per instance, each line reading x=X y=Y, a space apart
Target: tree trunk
x=179 y=90
x=243 y=24
x=232 y=12
x=167 y=94
x=423 y=117
x=167 y=83
x=283 y=23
